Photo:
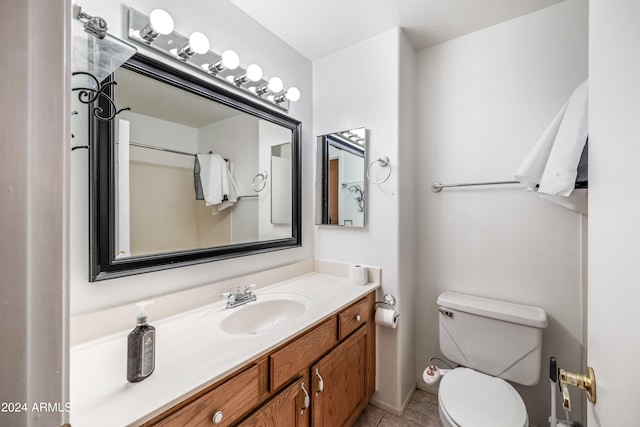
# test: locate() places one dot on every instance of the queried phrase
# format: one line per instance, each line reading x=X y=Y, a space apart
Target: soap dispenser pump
x=141 y=347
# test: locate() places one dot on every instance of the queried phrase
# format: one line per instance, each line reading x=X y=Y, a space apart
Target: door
x=614 y=211
x=339 y=381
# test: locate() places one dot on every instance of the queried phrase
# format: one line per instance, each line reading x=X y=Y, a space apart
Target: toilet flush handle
x=445 y=312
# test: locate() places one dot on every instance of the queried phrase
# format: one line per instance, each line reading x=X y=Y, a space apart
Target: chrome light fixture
x=228 y=61
x=253 y=73
x=156 y=32
x=275 y=85
x=292 y=94
x=160 y=22
x=198 y=43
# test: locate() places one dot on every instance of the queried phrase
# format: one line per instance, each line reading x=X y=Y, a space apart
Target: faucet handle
x=249 y=288
x=229 y=295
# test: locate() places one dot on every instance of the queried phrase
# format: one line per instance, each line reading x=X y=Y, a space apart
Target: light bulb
x=198 y=43
x=254 y=72
x=293 y=94
x=230 y=59
x=275 y=84
x=161 y=21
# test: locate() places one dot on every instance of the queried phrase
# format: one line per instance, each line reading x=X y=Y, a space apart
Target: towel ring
x=256 y=185
x=383 y=162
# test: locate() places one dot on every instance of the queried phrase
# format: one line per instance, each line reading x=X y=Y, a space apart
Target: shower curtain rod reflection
x=437 y=187
x=153 y=147
x=168 y=150
x=184 y=153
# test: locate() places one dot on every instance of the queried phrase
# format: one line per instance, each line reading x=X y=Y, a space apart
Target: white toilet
x=493 y=341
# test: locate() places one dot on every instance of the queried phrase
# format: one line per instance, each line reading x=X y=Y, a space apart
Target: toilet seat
x=471 y=398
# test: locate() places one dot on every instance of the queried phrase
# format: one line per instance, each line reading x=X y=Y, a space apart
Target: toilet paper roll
x=387 y=317
x=357 y=275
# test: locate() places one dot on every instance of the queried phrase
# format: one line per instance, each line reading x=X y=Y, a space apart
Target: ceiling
x=316 y=28
x=153 y=98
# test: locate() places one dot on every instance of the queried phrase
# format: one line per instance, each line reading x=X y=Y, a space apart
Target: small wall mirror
x=191 y=173
x=340 y=180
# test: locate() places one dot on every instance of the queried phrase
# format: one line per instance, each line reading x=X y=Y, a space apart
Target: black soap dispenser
x=141 y=347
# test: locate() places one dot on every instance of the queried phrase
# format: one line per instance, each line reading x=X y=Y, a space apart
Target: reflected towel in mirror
x=214 y=183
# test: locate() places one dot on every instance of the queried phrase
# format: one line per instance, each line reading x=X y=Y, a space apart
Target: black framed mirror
x=185 y=176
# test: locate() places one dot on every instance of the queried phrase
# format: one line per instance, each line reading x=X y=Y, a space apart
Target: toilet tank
x=498 y=338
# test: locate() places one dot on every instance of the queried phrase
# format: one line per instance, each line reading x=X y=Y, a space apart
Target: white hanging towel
x=532 y=169
x=552 y=165
x=217 y=182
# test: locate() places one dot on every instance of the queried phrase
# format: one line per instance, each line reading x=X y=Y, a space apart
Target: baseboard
x=392 y=409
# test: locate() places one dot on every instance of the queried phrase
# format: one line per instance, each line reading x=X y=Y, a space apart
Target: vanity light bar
x=157 y=34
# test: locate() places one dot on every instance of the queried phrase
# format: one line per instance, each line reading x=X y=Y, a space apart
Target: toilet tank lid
x=501 y=310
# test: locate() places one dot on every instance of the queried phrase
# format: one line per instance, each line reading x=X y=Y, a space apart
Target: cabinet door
x=289 y=408
x=340 y=383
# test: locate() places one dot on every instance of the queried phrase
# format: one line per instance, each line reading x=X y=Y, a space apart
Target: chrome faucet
x=239 y=298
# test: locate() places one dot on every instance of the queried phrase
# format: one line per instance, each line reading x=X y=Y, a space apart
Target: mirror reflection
x=191 y=173
x=340 y=178
x=188 y=171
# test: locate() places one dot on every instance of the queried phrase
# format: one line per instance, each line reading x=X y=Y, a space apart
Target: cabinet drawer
x=287 y=362
x=353 y=317
x=234 y=398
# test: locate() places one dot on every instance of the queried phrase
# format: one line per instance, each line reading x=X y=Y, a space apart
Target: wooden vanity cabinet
x=333 y=363
x=226 y=403
x=289 y=408
x=339 y=383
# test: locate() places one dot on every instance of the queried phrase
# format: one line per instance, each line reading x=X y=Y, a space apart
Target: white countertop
x=189 y=356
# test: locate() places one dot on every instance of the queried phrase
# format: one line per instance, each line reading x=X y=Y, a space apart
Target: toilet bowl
x=493 y=341
x=470 y=398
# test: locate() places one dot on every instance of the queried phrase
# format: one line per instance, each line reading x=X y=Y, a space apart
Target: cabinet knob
x=357 y=317
x=217 y=417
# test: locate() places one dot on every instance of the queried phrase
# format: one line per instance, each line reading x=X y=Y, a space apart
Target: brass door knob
x=586 y=382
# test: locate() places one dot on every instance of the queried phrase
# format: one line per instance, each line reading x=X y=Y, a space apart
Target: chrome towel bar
x=437 y=187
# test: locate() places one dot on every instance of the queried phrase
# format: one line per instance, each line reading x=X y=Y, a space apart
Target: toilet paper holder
x=389 y=301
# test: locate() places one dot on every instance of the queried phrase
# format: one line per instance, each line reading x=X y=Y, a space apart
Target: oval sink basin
x=271 y=312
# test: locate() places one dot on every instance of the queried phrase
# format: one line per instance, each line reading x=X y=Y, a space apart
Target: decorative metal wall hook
x=88 y=95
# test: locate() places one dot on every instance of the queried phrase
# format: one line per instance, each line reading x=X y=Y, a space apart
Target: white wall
x=614 y=209
x=34 y=154
x=227 y=28
x=483 y=101
x=344 y=99
x=270 y=135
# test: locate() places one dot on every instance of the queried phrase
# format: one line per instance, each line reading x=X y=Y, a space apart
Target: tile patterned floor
x=421 y=412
